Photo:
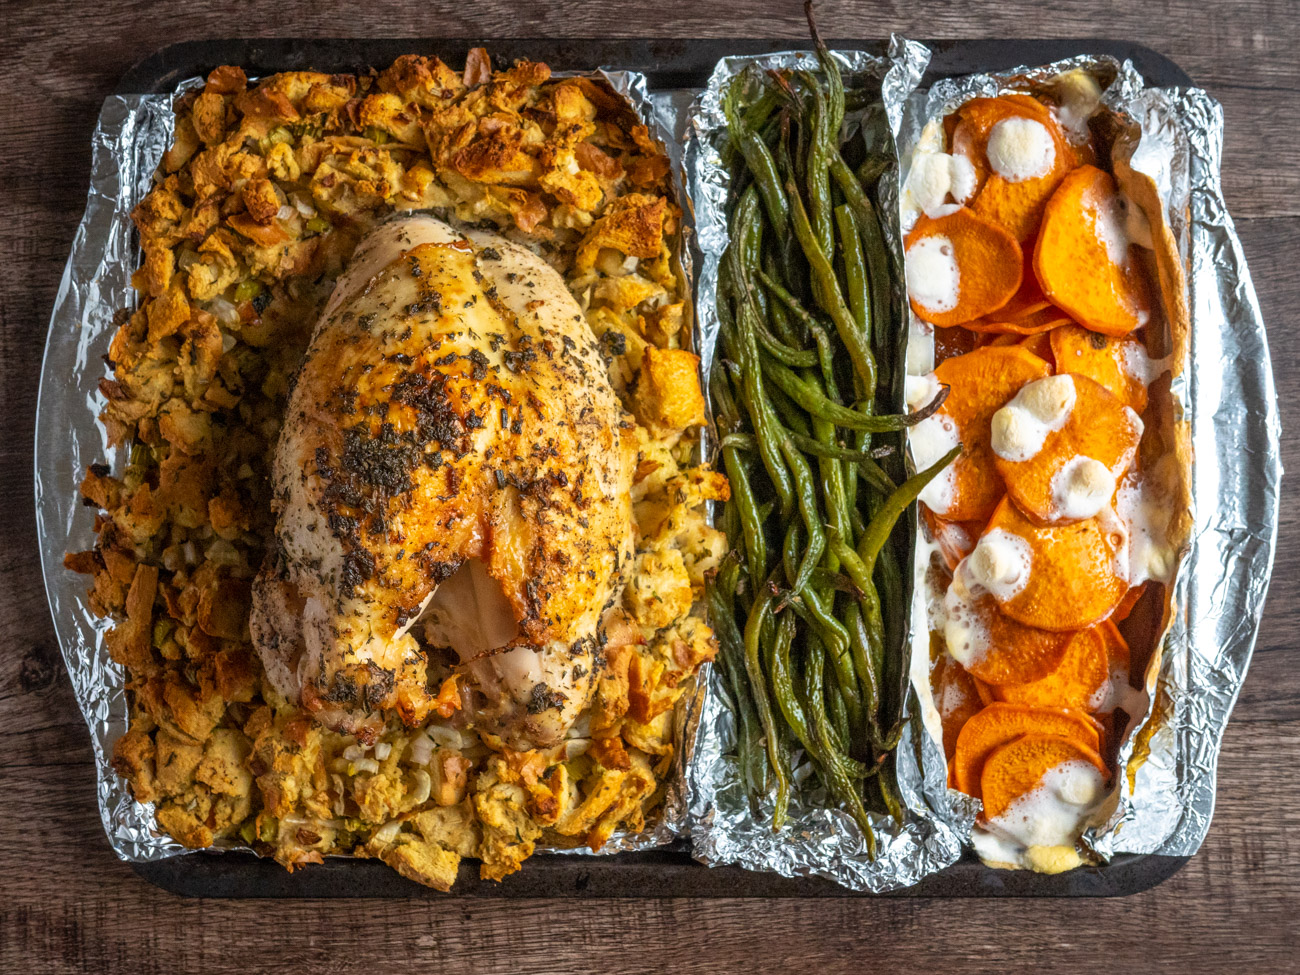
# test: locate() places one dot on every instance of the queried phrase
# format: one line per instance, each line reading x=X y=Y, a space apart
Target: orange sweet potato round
x=1072 y=581
x=1119 y=364
x=1079 y=680
x=989 y=265
x=954 y=538
x=1000 y=723
x=1083 y=260
x=1011 y=653
x=1018 y=767
x=956 y=698
x=1100 y=429
x=1032 y=319
x=979 y=383
x=968 y=128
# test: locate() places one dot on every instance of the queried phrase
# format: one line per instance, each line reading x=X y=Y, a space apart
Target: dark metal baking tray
x=669 y=872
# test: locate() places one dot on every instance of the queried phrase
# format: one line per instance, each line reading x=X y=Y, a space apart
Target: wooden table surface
x=69 y=905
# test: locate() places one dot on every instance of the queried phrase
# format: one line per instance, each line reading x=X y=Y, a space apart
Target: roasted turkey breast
x=453 y=454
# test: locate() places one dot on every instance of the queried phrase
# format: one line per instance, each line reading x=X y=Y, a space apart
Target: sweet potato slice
x=1120 y=364
x=1142 y=192
x=1040 y=344
x=1018 y=205
x=954 y=538
x=1018 y=767
x=1079 y=681
x=1075 y=471
x=951 y=342
x=979 y=383
x=1042 y=317
x=1000 y=723
x=1128 y=602
x=1072 y=581
x=956 y=698
x=959 y=267
x=1012 y=197
x=997 y=649
x=968 y=128
x=1083 y=259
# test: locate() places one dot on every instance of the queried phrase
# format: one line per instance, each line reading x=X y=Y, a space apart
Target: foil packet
x=132 y=133
x=1225 y=394
x=818 y=839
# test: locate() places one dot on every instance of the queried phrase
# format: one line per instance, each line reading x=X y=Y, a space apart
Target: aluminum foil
x=130 y=138
x=1227 y=395
x=819 y=838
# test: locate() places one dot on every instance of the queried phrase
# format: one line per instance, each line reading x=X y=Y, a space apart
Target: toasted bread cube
x=668 y=393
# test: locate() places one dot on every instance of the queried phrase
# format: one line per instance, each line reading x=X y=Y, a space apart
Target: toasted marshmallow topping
x=1082 y=487
x=930 y=440
x=964 y=631
x=1079 y=96
x=1000 y=563
x=1021 y=427
x=1052 y=813
x=1145 y=517
x=936 y=176
x=1021 y=149
x=933 y=278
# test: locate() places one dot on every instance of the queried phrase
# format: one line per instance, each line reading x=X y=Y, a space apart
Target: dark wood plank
x=70 y=906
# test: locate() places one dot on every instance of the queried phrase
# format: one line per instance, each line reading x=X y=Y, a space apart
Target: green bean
x=860 y=459
x=875 y=251
x=882 y=523
x=778 y=350
x=796 y=308
x=806 y=494
x=742 y=494
x=783 y=687
x=762 y=167
x=827 y=290
x=865 y=665
x=756 y=403
x=759 y=612
x=732 y=655
x=835 y=764
x=817 y=167
x=816 y=403
x=838 y=712
x=855 y=270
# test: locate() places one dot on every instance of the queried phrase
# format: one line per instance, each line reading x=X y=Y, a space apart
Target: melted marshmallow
x=964 y=631
x=1040 y=829
x=1145 y=520
x=937 y=176
x=1000 y=563
x=1054 y=813
x=1020 y=149
x=920 y=390
x=1081 y=487
x=1137 y=363
x=933 y=278
x=1079 y=96
x=1021 y=427
x=930 y=440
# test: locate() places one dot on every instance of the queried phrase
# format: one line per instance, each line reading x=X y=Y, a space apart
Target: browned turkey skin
x=453 y=454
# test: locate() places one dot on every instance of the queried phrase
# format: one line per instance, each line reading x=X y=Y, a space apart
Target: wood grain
x=70 y=906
